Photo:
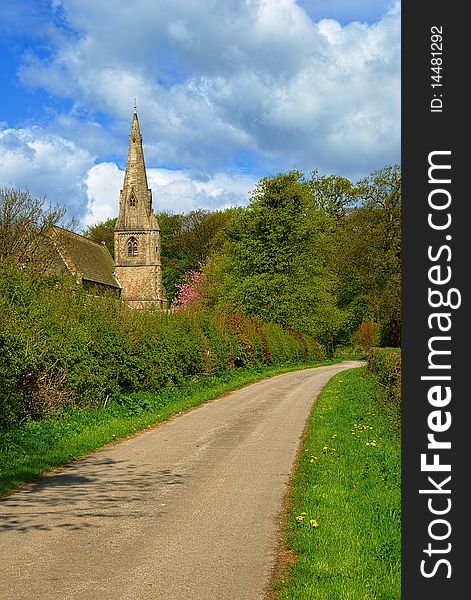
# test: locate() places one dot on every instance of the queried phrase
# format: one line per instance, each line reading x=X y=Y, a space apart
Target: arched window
x=132 y=247
x=132 y=199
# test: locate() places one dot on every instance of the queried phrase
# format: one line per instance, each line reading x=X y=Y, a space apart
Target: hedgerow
x=385 y=365
x=60 y=346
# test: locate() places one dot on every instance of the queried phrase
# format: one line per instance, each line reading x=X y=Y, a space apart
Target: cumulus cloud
x=45 y=164
x=218 y=82
x=346 y=11
x=172 y=190
x=103 y=182
x=214 y=78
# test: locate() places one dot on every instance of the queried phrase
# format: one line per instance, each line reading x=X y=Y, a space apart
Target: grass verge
x=343 y=516
x=35 y=447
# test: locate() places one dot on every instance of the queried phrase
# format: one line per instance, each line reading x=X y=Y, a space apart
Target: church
x=136 y=272
x=137 y=234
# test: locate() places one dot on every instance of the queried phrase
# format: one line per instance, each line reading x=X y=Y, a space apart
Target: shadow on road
x=73 y=499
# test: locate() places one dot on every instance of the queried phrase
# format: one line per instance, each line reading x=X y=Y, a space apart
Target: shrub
x=59 y=346
x=385 y=365
x=367 y=335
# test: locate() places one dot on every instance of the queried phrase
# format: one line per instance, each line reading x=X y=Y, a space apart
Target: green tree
x=367 y=252
x=333 y=194
x=187 y=240
x=272 y=263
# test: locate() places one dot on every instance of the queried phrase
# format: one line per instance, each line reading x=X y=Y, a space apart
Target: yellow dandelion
x=314 y=523
x=300 y=518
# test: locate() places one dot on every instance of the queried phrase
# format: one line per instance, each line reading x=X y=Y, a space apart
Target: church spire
x=135 y=197
x=137 y=235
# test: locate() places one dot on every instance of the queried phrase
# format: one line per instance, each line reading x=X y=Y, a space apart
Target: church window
x=132 y=200
x=132 y=247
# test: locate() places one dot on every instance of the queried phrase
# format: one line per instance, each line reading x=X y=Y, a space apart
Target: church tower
x=137 y=234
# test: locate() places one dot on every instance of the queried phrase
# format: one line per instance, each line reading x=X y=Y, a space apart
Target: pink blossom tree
x=192 y=291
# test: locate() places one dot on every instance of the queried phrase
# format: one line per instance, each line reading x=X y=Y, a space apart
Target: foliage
x=272 y=263
x=333 y=194
x=24 y=222
x=60 y=346
x=385 y=365
x=192 y=291
x=366 y=254
x=367 y=335
x=187 y=241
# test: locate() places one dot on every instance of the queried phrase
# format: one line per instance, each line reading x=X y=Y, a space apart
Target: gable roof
x=85 y=259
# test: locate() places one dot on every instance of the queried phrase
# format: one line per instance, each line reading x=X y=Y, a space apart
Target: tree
x=192 y=291
x=24 y=221
x=333 y=194
x=187 y=240
x=272 y=264
x=198 y=231
x=367 y=252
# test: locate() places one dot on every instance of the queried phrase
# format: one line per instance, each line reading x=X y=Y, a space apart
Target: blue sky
x=227 y=92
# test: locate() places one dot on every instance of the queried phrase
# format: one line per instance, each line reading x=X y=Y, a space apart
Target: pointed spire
x=135 y=132
x=135 y=197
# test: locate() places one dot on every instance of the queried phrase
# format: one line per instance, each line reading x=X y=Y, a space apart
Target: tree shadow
x=82 y=494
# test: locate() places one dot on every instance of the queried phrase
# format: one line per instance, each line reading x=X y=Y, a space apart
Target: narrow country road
x=186 y=511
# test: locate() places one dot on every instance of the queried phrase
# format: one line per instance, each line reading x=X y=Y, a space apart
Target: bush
x=367 y=335
x=60 y=346
x=385 y=365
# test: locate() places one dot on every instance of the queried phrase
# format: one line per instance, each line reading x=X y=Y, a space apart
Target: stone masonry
x=137 y=234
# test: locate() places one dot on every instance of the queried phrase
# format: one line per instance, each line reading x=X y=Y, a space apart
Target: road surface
x=186 y=511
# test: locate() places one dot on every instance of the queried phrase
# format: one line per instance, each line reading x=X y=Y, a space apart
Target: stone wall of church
x=142 y=285
x=147 y=248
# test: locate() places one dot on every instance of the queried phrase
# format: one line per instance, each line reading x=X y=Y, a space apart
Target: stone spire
x=137 y=233
x=135 y=208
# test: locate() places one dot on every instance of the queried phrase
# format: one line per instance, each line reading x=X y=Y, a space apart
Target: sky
x=227 y=92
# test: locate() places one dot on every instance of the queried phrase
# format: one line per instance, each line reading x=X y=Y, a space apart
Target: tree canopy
x=24 y=221
x=321 y=254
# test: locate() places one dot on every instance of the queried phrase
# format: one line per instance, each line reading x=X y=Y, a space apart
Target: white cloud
x=347 y=11
x=46 y=165
x=215 y=78
x=104 y=182
x=217 y=81
x=180 y=191
x=172 y=191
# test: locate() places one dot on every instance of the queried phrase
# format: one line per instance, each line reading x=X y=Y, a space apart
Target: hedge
x=60 y=346
x=385 y=365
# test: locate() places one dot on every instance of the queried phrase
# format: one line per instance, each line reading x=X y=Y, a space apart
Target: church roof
x=87 y=260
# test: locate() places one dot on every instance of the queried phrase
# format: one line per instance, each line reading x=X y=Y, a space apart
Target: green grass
x=35 y=447
x=348 y=480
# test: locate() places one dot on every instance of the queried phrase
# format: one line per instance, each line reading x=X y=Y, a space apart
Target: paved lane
x=186 y=511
